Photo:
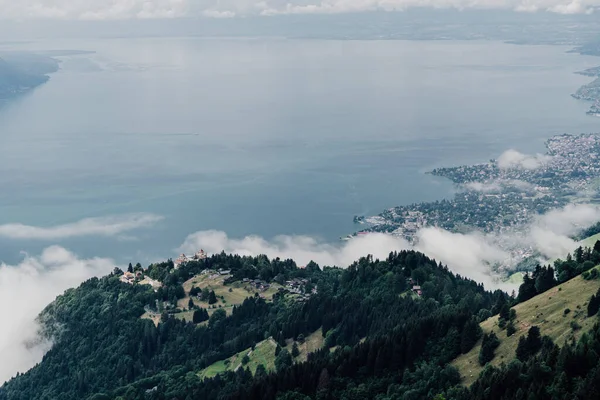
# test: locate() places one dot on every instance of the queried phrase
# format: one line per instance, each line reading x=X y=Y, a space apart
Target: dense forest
x=391 y=327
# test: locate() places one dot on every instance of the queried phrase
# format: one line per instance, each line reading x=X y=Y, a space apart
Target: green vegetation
x=546 y=311
x=262 y=354
x=355 y=337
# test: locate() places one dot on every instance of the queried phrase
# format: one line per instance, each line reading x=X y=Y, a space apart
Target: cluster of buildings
x=257 y=284
x=298 y=286
x=138 y=277
x=131 y=278
x=502 y=197
x=182 y=259
x=215 y=273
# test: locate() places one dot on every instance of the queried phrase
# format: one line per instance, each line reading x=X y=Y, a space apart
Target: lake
x=266 y=136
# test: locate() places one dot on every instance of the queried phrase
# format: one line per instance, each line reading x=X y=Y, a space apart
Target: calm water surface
x=267 y=136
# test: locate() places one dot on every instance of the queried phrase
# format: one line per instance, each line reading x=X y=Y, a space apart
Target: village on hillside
x=213 y=289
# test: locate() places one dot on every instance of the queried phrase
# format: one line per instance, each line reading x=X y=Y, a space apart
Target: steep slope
x=104 y=350
x=548 y=312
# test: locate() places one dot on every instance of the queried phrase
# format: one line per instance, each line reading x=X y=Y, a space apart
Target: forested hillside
x=390 y=329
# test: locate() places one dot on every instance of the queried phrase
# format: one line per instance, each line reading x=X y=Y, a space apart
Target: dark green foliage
x=484 y=315
x=261 y=372
x=505 y=312
x=527 y=289
x=245 y=359
x=295 y=350
x=594 y=304
x=489 y=345
x=190 y=303
x=592 y=274
x=409 y=341
x=195 y=291
x=529 y=346
x=540 y=281
x=212 y=298
x=200 y=315
x=470 y=335
x=510 y=329
x=283 y=360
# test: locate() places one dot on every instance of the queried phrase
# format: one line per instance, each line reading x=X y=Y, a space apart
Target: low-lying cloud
x=475 y=255
x=515 y=159
x=25 y=289
x=101 y=226
x=125 y=9
x=301 y=249
x=497 y=186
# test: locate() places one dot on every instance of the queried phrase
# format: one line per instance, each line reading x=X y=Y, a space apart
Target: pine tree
x=212 y=297
x=295 y=350
x=260 y=372
x=527 y=289
x=594 y=305
x=489 y=345
x=522 y=349
x=510 y=329
x=470 y=335
x=130 y=268
x=191 y=304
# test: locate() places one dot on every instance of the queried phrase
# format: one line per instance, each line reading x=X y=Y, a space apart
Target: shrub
x=567 y=311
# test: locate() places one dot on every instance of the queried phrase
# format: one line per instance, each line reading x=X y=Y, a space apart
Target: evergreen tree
x=295 y=350
x=191 y=304
x=544 y=279
x=527 y=289
x=470 y=335
x=594 y=304
x=522 y=349
x=130 y=268
x=505 y=312
x=489 y=345
x=212 y=297
x=283 y=360
x=260 y=372
x=510 y=329
x=200 y=315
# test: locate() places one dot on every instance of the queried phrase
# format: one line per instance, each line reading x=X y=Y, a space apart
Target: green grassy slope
x=547 y=311
x=263 y=353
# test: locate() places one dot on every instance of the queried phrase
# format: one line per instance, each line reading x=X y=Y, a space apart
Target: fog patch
x=498 y=186
x=301 y=249
x=515 y=159
x=25 y=290
x=101 y=226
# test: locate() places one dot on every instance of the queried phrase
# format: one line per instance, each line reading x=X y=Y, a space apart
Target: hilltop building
x=182 y=259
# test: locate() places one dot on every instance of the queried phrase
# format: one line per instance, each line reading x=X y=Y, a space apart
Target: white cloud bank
x=123 y=9
x=514 y=159
x=25 y=289
x=472 y=255
x=101 y=226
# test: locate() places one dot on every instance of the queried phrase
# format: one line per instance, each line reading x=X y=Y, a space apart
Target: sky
x=145 y=9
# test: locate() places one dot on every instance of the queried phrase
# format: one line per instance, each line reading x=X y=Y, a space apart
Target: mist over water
x=264 y=136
